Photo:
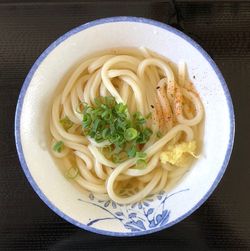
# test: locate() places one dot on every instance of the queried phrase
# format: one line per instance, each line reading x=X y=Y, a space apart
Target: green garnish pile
x=110 y=121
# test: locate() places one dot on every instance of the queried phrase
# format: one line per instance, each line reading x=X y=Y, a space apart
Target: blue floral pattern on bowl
x=147 y=214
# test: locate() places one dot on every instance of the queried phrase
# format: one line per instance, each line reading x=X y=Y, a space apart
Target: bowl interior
x=32 y=128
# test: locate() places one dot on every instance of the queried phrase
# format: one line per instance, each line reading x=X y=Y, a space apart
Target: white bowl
x=32 y=129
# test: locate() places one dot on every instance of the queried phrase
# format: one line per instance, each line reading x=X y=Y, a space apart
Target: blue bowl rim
x=59 y=41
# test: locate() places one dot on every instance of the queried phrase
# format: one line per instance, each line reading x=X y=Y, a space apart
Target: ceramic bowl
x=32 y=128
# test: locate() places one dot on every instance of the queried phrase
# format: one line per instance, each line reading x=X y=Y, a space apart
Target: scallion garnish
x=109 y=120
x=130 y=134
x=141 y=155
x=140 y=164
x=86 y=121
x=58 y=146
x=66 y=123
x=132 y=151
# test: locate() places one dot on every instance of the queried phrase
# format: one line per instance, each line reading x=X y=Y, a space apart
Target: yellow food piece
x=177 y=154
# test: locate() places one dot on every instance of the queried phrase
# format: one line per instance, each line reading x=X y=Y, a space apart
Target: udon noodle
x=147 y=83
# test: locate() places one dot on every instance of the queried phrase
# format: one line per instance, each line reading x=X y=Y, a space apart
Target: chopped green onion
x=86 y=121
x=115 y=158
x=87 y=108
x=132 y=151
x=107 y=115
x=114 y=138
x=140 y=164
x=98 y=138
x=72 y=173
x=144 y=136
x=119 y=157
x=105 y=133
x=66 y=123
x=120 y=108
x=139 y=118
x=104 y=107
x=141 y=155
x=147 y=132
x=96 y=124
x=58 y=146
x=130 y=134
